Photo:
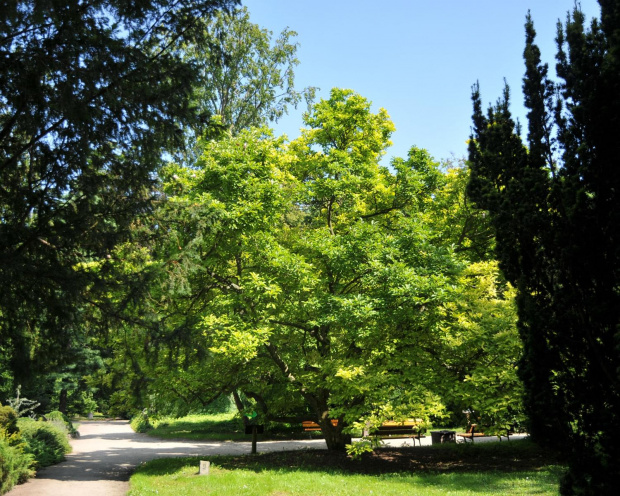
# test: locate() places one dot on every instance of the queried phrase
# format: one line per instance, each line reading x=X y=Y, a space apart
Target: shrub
x=61 y=419
x=23 y=406
x=8 y=420
x=46 y=441
x=141 y=423
x=366 y=445
x=14 y=465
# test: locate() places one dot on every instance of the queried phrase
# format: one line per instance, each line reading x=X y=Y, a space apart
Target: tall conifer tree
x=555 y=208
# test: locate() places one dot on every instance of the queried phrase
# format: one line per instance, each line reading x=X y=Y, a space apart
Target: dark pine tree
x=556 y=212
x=91 y=96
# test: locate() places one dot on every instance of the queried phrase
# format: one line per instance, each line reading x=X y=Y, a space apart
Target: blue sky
x=417 y=59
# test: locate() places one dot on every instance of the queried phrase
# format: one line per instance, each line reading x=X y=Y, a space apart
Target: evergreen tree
x=91 y=94
x=555 y=208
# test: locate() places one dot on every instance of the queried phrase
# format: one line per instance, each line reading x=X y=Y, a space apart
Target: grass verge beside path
x=220 y=427
x=514 y=468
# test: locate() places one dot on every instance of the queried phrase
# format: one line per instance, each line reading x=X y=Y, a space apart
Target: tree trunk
x=240 y=406
x=335 y=439
x=62 y=401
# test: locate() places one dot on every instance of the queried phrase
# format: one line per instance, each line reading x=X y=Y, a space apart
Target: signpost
x=254 y=429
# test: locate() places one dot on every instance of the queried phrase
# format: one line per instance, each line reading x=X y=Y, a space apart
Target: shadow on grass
x=515 y=456
x=518 y=467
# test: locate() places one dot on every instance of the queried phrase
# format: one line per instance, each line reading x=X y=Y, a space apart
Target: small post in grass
x=254 y=430
x=204 y=467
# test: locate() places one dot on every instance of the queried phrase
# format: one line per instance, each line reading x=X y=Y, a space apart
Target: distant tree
x=246 y=79
x=555 y=208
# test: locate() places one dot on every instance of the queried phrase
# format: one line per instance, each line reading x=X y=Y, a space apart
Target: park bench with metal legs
x=405 y=429
x=311 y=426
x=388 y=429
x=471 y=433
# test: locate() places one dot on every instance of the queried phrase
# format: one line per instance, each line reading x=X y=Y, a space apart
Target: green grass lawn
x=228 y=427
x=517 y=468
x=221 y=427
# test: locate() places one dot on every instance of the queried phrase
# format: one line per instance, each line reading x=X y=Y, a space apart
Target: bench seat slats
x=311 y=425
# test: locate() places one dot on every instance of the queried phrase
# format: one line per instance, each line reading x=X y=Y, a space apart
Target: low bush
x=8 y=420
x=141 y=423
x=9 y=431
x=15 y=464
x=46 y=441
x=60 y=418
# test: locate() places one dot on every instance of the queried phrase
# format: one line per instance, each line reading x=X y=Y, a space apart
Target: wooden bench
x=471 y=433
x=407 y=428
x=311 y=425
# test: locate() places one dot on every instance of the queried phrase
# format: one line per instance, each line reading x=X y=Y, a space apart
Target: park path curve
x=107 y=452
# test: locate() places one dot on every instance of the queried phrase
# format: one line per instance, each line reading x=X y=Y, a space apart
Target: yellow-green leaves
x=338 y=157
x=485 y=346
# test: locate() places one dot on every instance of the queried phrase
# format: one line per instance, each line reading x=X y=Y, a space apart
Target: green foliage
x=8 y=421
x=141 y=422
x=90 y=97
x=60 y=418
x=483 y=350
x=307 y=286
x=555 y=209
x=365 y=445
x=47 y=442
x=166 y=406
x=222 y=427
x=6 y=376
x=245 y=79
x=455 y=219
x=15 y=465
x=298 y=274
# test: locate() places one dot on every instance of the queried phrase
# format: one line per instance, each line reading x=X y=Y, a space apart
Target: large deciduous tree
x=555 y=207
x=309 y=277
x=91 y=95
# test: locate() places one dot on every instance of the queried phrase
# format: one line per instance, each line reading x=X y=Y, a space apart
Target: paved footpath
x=107 y=452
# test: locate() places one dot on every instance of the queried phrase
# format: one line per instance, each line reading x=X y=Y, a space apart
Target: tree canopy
x=91 y=95
x=308 y=277
x=246 y=79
